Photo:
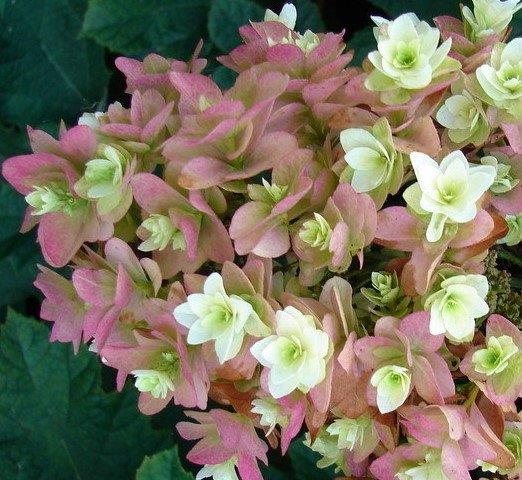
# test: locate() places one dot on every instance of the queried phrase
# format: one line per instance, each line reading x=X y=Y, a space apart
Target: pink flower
x=224 y=438
x=182 y=233
x=47 y=178
x=330 y=239
x=163 y=366
x=62 y=306
x=114 y=288
x=408 y=343
x=223 y=137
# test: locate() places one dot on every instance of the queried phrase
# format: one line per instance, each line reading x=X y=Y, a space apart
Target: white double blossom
x=455 y=306
x=221 y=471
x=271 y=413
x=393 y=384
x=296 y=355
x=287 y=17
x=489 y=17
x=216 y=316
x=449 y=191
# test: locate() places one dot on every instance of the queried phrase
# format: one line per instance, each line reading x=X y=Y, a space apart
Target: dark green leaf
x=137 y=27
x=46 y=71
x=56 y=423
x=304 y=463
x=308 y=16
x=425 y=10
x=163 y=466
x=224 y=77
x=225 y=19
x=362 y=42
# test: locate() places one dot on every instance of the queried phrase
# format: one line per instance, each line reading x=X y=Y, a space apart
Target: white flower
x=156 y=382
x=326 y=445
x=501 y=80
x=296 y=354
x=271 y=413
x=495 y=358
x=464 y=117
x=456 y=305
x=449 y=191
x=221 y=471
x=489 y=17
x=287 y=17
x=505 y=180
x=407 y=56
x=393 y=387
x=215 y=315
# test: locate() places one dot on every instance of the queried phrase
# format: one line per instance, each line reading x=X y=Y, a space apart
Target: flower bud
x=316 y=233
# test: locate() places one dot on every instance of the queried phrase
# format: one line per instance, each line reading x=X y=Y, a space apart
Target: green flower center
x=406 y=55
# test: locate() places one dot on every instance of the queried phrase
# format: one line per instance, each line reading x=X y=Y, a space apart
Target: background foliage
x=59 y=418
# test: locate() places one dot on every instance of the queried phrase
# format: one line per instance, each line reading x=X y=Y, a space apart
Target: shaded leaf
x=56 y=422
x=308 y=16
x=425 y=10
x=163 y=466
x=362 y=42
x=137 y=28
x=304 y=463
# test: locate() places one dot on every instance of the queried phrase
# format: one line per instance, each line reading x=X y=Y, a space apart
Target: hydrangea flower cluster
x=250 y=247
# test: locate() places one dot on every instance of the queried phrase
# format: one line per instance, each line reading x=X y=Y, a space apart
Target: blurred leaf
x=304 y=463
x=425 y=10
x=224 y=77
x=137 y=27
x=226 y=17
x=362 y=42
x=56 y=422
x=308 y=16
x=163 y=466
x=46 y=71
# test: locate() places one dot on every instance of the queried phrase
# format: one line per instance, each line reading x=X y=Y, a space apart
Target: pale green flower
x=316 y=233
x=216 y=316
x=449 y=191
x=488 y=17
x=161 y=232
x=103 y=178
x=386 y=295
x=494 y=359
x=325 y=445
x=287 y=17
x=430 y=469
x=54 y=197
x=307 y=41
x=221 y=471
x=162 y=378
x=393 y=387
x=353 y=432
x=514 y=235
x=465 y=119
x=271 y=413
x=504 y=180
x=295 y=355
x=512 y=439
x=407 y=57
x=501 y=80
x=376 y=167
x=276 y=192
x=454 y=307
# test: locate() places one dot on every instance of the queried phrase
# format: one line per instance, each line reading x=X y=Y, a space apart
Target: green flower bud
x=325 y=445
x=353 y=432
x=161 y=233
x=386 y=296
x=54 y=197
x=316 y=233
x=514 y=235
x=103 y=178
x=161 y=378
x=504 y=180
x=276 y=192
x=495 y=358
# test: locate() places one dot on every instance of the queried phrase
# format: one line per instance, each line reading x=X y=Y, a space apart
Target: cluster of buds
x=211 y=237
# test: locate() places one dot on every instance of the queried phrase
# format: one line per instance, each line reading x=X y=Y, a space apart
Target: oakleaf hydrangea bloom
x=215 y=315
x=407 y=58
x=393 y=387
x=489 y=17
x=449 y=191
x=463 y=116
x=296 y=355
x=501 y=79
x=455 y=306
x=375 y=166
x=514 y=235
